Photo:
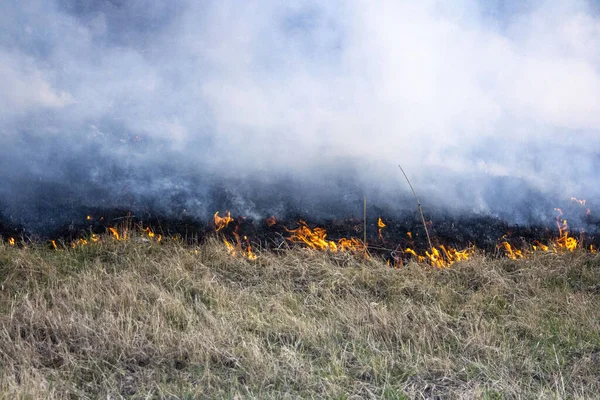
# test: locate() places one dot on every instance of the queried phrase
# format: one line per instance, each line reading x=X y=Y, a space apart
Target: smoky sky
x=489 y=106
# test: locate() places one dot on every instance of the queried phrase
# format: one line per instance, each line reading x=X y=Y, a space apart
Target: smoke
x=266 y=106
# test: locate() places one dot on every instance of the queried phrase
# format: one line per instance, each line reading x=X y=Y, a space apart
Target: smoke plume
x=492 y=107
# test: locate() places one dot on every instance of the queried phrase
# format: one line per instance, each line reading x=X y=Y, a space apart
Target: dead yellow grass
x=137 y=320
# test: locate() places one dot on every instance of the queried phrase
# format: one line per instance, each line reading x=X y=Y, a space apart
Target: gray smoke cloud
x=258 y=106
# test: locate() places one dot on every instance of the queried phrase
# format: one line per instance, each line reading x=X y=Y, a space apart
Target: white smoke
x=483 y=103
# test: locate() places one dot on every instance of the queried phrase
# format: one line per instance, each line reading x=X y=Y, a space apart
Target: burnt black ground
x=482 y=232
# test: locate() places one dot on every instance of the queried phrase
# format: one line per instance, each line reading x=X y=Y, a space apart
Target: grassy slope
x=134 y=319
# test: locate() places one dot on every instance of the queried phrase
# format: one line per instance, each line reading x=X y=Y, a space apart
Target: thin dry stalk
x=420 y=209
x=365 y=221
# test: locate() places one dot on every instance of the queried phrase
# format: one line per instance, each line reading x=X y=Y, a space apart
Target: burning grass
x=147 y=318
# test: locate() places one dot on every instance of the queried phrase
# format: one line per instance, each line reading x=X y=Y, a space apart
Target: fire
x=540 y=247
x=230 y=247
x=447 y=256
x=317 y=239
x=313 y=238
x=249 y=254
x=222 y=222
x=380 y=226
x=564 y=241
x=443 y=257
x=149 y=232
x=79 y=242
x=454 y=255
x=241 y=247
x=512 y=253
x=413 y=253
x=435 y=258
x=115 y=233
x=351 y=244
x=151 y=235
x=11 y=241
x=89 y=217
x=238 y=248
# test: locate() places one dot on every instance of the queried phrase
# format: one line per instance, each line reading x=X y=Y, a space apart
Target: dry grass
x=146 y=320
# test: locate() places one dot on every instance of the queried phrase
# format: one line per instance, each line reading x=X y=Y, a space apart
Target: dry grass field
x=137 y=319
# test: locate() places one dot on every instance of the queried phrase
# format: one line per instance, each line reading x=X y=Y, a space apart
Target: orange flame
x=564 y=241
x=149 y=232
x=79 y=242
x=447 y=256
x=249 y=254
x=53 y=244
x=380 y=226
x=230 y=247
x=414 y=254
x=115 y=233
x=313 y=238
x=316 y=239
x=222 y=222
x=11 y=241
x=441 y=256
x=351 y=244
x=410 y=251
x=151 y=235
x=512 y=253
x=435 y=258
x=454 y=255
x=237 y=249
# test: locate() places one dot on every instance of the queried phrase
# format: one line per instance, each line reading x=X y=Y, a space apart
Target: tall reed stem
x=420 y=209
